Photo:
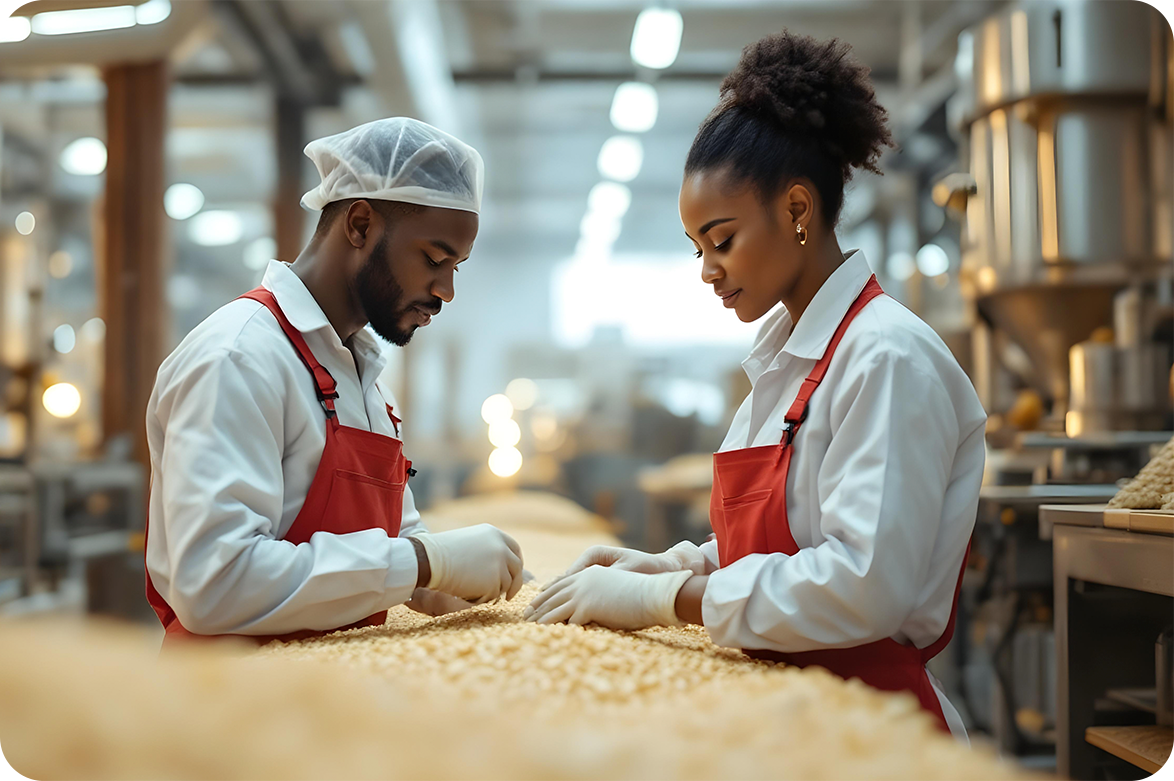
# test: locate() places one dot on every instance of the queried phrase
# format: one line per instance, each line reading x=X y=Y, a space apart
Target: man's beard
x=382 y=298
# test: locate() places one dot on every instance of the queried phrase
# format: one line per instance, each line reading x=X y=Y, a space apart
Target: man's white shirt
x=236 y=432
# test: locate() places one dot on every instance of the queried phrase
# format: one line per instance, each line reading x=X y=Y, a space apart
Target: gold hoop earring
x=801 y=232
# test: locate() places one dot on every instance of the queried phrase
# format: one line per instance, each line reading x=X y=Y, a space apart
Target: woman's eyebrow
x=713 y=223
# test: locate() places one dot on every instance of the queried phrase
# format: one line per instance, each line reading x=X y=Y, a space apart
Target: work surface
x=478 y=694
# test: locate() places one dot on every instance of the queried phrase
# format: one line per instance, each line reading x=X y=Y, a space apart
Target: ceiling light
x=84 y=20
x=64 y=338
x=25 y=223
x=182 y=200
x=505 y=461
x=932 y=260
x=634 y=107
x=505 y=433
x=657 y=37
x=84 y=157
x=620 y=158
x=259 y=252
x=522 y=393
x=609 y=198
x=94 y=330
x=599 y=228
x=901 y=266
x=60 y=264
x=62 y=400
x=14 y=29
x=152 y=11
x=496 y=407
x=216 y=228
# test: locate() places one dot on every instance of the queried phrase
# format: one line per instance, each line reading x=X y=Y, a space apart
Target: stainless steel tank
x=1066 y=114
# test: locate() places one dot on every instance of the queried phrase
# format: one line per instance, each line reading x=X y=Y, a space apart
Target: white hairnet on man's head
x=397 y=159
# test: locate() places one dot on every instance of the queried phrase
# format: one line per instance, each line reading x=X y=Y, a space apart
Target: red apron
x=748 y=510
x=359 y=483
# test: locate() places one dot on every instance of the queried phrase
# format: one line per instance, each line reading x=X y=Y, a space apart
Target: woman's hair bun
x=813 y=88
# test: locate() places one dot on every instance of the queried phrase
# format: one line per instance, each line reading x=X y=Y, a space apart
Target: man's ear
x=357 y=223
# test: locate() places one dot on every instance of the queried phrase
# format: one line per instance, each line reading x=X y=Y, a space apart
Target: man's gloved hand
x=611 y=597
x=479 y=563
x=436 y=603
x=682 y=556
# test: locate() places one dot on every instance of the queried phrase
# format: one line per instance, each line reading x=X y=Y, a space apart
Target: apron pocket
x=358 y=502
x=735 y=502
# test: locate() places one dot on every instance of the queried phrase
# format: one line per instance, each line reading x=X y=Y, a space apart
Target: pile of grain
x=91 y=703
x=1153 y=488
x=472 y=695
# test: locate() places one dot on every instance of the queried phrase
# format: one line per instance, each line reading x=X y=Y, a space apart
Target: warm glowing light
x=60 y=264
x=497 y=407
x=522 y=393
x=505 y=461
x=505 y=433
x=62 y=400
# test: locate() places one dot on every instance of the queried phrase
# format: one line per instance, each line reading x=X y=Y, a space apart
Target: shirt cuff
x=723 y=606
x=402 y=572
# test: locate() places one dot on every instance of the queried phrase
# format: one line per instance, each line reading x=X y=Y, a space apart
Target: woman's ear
x=799 y=205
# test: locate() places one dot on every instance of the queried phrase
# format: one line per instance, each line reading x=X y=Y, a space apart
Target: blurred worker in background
x=279 y=502
x=845 y=493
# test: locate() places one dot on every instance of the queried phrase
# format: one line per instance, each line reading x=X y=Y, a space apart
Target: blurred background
x=151 y=165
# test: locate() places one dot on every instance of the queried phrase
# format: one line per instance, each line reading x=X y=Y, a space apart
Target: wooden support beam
x=133 y=250
x=288 y=215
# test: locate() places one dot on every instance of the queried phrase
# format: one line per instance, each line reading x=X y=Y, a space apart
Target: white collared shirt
x=236 y=432
x=883 y=486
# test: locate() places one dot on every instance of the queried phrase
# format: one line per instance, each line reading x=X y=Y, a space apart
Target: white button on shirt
x=236 y=432
x=883 y=487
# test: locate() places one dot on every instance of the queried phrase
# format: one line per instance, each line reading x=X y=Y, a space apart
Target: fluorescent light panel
x=656 y=39
x=86 y=20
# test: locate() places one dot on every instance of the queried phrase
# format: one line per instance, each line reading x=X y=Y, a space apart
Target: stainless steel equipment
x=1067 y=119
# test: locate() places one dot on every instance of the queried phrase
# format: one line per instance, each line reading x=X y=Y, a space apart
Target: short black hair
x=391 y=211
x=794 y=107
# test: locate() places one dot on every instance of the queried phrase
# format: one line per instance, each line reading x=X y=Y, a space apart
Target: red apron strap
x=935 y=648
x=323 y=381
x=798 y=411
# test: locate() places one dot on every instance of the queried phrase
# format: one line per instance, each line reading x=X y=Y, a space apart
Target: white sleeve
x=881 y=488
x=709 y=550
x=411 y=523
x=221 y=567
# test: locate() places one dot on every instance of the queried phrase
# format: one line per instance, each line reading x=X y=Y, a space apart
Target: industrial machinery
x=1065 y=116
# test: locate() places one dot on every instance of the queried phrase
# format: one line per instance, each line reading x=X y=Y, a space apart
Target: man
x=280 y=504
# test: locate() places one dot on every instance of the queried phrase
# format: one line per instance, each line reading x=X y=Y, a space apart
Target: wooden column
x=133 y=250
x=288 y=215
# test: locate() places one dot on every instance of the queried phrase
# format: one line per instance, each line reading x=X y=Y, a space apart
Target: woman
x=846 y=490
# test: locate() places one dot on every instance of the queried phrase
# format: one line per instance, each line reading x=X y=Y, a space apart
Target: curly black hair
x=794 y=106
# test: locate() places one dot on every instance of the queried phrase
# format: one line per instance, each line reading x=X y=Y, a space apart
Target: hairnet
x=396 y=159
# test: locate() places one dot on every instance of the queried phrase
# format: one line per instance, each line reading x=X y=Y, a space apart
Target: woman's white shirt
x=883 y=487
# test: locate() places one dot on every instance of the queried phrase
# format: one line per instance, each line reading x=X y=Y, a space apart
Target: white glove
x=682 y=556
x=611 y=597
x=479 y=563
x=436 y=603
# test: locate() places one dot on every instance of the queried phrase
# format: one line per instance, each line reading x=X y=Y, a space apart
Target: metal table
x=1104 y=637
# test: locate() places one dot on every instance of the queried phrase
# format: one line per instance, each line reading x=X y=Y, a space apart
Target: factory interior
x=575 y=390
